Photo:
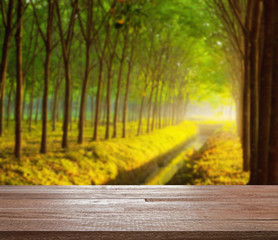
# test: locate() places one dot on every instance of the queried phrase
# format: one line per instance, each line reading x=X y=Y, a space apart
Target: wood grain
x=138 y=212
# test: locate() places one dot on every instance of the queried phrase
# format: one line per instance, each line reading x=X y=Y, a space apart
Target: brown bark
x=130 y=63
x=100 y=81
x=254 y=91
x=31 y=103
x=160 y=106
x=19 y=80
x=4 y=60
x=55 y=105
x=273 y=142
x=92 y=109
x=150 y=107
x=116 y=111
x=126 y=100
x=47 y=39
x=87 y=34
x=109 y=83
x=155 y=105
x=84 y=94
x=66 y=39
x=265 y=92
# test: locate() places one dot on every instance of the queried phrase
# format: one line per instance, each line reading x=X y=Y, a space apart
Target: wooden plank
x=169 y=192
x=146 y=235
x=138 y=212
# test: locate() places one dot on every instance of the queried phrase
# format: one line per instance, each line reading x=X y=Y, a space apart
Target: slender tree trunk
x=66 y=40
x=45 y=101
x=55 y=105
x=160 y=106
x=108 y=101
x=155 y=106
x=31 y=104
x=67 y=105
x=116 y=111
x=141 y=115
x=100 y=80
x=126 y=98
x=4 y=59
x=109 y=83
x=254 y=92
x=84 y=95
x=19 y=80
x=92 y=108
x=150 y=107
x=246 y=94
x=98 y=99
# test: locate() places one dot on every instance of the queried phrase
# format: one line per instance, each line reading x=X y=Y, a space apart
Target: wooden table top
x=139 y=212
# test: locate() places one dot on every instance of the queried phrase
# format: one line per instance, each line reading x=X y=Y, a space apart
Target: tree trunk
x=141 y=115
x=4 y=59
x=66 y=106
x=98 y=99
x=254 y=92
x=126 y=98
x=45 y=101
x=246 y=93
x=109 y=83
x=265 y=92
x=160 y=106
x=55 y=106
x=108 y=102
x=92 y=109
x=84 y=95
x=100 y=80
x=273 y=142
x=19 y=80
x=71 y=110
x=116 y=111
x=150 y=107
x=31 y=104
x=155 y=106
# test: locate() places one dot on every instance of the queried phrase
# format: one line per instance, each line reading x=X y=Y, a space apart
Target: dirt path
x=173 y=162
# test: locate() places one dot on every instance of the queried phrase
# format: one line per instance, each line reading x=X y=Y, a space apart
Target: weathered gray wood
x=138 y=212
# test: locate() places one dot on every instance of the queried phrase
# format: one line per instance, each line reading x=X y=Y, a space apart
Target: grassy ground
x=218 y=162
x=91 y=163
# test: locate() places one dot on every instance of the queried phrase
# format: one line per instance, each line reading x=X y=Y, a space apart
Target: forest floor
x=99 y=162
x=217 y=162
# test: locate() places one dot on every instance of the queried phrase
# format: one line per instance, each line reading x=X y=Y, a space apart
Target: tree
x=66 y=40
x=47 y=39
x=7 y=18
x=19 y=79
